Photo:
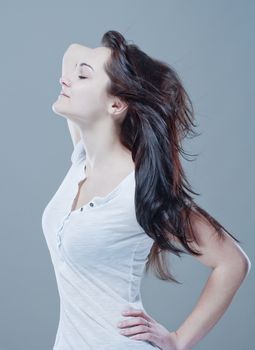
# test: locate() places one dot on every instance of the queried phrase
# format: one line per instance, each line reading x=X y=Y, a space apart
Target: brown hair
x=159 y=116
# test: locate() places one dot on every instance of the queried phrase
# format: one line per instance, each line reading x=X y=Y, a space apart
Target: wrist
x=175 y=343
x=179 y=345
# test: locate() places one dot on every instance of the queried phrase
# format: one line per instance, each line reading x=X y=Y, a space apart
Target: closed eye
x=81 y=77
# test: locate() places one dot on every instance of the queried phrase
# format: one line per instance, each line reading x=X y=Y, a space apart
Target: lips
x=64 y=94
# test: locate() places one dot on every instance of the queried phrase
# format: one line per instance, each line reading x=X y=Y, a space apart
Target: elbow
x=237 y=267
x=247 y=265
x=245 y=262
x=242 y=265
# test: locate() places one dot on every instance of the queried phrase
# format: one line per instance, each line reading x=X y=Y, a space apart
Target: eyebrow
x=85 y=64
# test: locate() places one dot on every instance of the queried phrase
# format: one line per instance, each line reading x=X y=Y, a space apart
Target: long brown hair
x=160 y=115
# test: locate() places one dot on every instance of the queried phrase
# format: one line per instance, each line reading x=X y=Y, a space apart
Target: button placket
x=72 y=212
x=60 y=230
x=59 y=238
x=91 y=204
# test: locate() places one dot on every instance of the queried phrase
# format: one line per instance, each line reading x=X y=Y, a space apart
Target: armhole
x=78 y=153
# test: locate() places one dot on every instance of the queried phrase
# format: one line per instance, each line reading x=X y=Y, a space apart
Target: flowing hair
x=159 y=116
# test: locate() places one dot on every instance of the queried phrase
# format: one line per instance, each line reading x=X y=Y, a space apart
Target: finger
x=134 y=321
x=139 y=312
x=134 y=330
x=146 y=336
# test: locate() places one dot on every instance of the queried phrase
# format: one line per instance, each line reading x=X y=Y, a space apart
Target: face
x=85 y=86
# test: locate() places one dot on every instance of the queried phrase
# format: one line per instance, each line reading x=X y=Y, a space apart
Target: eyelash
x=81 y=77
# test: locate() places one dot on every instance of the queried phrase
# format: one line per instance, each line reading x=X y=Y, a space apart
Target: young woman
x=125 y=203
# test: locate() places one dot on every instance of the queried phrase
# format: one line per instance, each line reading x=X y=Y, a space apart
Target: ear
x=117 y=107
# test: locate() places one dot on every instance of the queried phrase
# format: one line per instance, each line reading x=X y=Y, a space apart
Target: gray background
x=211 y=45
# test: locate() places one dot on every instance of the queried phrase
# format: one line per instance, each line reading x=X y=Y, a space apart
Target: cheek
x=86 y=91
x=82 y=95
x=89 y=101
x=89 y=94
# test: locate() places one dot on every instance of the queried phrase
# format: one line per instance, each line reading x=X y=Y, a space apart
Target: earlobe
x=119 y=107
x=118 y=111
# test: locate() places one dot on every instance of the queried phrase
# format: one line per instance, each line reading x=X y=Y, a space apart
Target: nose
x=64 y=81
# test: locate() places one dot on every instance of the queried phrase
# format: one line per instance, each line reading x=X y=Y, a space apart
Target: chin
x=58 y=109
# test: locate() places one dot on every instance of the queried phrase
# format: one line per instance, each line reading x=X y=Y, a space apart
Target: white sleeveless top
x=98 y=253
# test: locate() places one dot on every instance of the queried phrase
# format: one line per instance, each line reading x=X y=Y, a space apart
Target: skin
x=95 y=117
x=229 y=264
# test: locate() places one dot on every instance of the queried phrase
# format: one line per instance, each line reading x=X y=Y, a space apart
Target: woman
x=124 y=204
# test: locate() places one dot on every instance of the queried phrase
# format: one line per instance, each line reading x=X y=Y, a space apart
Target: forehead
x=96 y=57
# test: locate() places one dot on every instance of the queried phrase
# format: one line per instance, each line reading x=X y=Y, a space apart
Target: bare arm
x=68 y=63
x=74 y=132
x=230 y=266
